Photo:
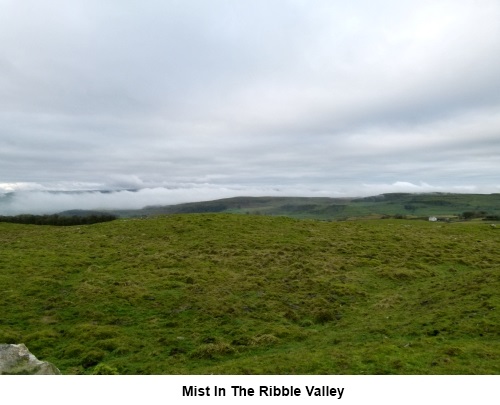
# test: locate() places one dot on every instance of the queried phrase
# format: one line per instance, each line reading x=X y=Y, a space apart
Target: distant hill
x=324 y=208
x=287 y=206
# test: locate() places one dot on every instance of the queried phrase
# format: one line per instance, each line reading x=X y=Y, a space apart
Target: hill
x=247 y=294
x=395 y=204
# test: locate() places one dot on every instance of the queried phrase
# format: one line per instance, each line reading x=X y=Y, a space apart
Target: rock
x=17 y=359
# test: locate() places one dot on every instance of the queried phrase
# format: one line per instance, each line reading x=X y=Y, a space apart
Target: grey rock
x=17 y=359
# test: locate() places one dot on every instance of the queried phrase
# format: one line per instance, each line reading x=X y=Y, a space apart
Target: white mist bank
x=38 y=199
x=49 y=202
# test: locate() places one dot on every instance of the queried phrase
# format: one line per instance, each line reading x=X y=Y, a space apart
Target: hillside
x=395 y=204
x=247 y=294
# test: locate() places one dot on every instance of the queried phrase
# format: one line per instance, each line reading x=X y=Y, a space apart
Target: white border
x=124 y=390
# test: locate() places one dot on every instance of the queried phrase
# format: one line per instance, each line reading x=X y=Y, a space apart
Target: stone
x=17 y=359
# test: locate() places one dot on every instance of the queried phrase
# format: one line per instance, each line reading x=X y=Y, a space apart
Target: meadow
x=254 y=294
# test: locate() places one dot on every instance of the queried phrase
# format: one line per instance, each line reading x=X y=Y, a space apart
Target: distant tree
x=57 y=220
x=467 y=214
x=473 y=214
x=410 y=207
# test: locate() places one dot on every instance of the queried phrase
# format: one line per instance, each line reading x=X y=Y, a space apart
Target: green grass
x=245 y=294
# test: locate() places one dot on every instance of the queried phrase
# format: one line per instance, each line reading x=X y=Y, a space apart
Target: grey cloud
x=320 y=95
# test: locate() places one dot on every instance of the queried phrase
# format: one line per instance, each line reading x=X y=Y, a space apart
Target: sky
x=192 y=100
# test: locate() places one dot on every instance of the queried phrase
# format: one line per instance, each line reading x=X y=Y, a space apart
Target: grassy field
x=247 y=294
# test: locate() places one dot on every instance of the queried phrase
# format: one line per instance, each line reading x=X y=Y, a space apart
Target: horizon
x=46 y=202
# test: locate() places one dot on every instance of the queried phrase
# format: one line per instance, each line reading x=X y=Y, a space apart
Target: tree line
x=58 y=220
x=479 y=214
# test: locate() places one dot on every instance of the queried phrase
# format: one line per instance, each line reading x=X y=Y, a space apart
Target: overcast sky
x=190 y=100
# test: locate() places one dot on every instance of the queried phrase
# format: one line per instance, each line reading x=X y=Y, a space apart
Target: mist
x=34 y=199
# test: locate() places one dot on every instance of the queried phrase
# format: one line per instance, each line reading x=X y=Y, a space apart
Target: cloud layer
x=245 y=97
